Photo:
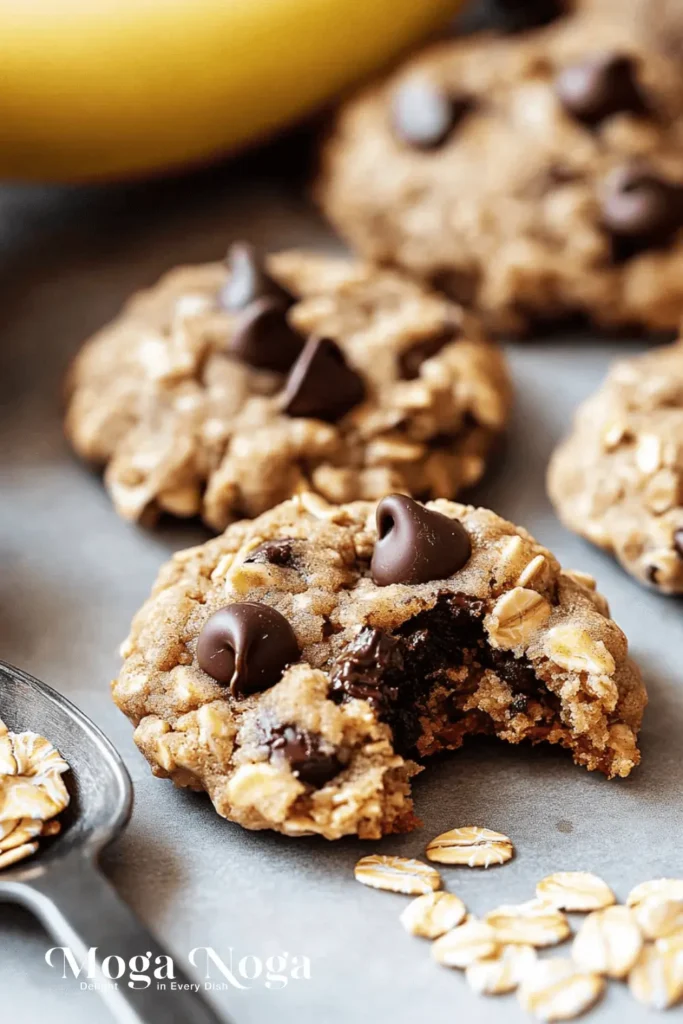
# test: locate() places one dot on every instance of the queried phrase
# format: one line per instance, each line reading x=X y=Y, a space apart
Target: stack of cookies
x=325 y=413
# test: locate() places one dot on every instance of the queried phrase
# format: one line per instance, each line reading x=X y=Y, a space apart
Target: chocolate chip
x=321 y=384
x=518 y=673
x=263 y=338
x=518 y=15
x=246 y=646
x=423 y=115
x=248 y=280
x=302 y=750
x=678 y=542
x=412 y=359
x=365 y=670
x=641 y=207
x=416 y=545
x=274 y=552
x=597 y=88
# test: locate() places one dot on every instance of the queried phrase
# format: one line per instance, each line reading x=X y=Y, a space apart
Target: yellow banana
x=100 y=89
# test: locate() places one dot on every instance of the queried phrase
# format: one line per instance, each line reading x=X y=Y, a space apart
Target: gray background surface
x=72 y=574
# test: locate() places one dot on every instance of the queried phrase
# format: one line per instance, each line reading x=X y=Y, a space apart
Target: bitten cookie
x=618 y=478
x=296 y=666
x=226 y=389
x=534 y=177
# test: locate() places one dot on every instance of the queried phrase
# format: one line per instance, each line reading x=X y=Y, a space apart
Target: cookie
x=618 y=478
x=534 y=177
x=300 y=665
x=226 y=389
x=661 y=21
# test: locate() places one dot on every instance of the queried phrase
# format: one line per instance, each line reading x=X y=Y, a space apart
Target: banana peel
x=108 y=89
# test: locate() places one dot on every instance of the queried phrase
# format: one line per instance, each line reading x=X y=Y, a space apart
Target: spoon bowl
x=62 y=883
x=98 y=783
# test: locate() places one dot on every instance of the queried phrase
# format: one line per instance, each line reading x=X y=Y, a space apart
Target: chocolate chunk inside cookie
x=305 y=754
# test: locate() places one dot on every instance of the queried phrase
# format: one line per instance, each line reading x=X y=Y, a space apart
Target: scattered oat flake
x=397 y=874
x=609 y=941
x=471 y=846
x=576 y=891
x=503 y=972
x=664 y=888
x=18 y=853
x=657 y=978
x=671 y=944
x=474 y=940
x=433 y=914
x=659 y=918
x=557 y=990
x=31 y=793
x=23 y=831
x=535 y=923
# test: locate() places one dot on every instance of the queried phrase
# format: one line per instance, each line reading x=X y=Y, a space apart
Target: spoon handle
x=82 y=911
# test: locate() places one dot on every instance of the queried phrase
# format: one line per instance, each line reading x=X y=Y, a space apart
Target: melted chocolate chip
x=304 y=753
x=412 y=359
x=423 y=115
x=274 y=552
x=600 y=87
x=247 y=647
x=396 y=673
x=440 y=635
x=263 y=338
x=518 y=673
x=248 y=280
x=678 y=543
x=321 y=384
x=416 y=545
x=368 y=670
x=640 y=208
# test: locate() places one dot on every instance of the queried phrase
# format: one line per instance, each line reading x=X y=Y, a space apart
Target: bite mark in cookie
x=358 y=679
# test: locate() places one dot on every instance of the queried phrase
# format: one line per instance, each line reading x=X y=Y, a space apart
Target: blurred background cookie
x=533 y=177
x=227 y=388
x=618 y=477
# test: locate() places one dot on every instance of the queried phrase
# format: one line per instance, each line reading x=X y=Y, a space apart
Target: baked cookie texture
x=501 y=641
x=532 y=177
x=662 y=23
x=617 y=479
x=199 y=398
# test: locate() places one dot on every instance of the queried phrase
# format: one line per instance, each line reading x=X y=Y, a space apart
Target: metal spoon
x=62 y=883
